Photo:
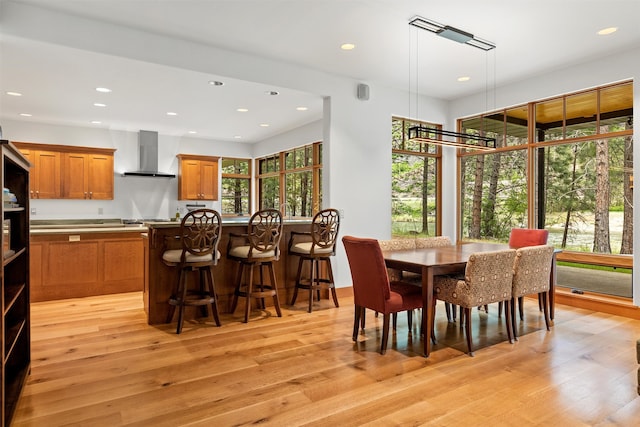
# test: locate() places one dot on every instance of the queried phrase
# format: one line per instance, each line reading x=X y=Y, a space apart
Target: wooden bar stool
x=316 y=246
x=260 y=247
x=199 y=234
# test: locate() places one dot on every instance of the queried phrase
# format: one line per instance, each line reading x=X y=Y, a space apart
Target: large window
x=566 y=166
x=236 y=184
x=415 y=182
x=290 y=181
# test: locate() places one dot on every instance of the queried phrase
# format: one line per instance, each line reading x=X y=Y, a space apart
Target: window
x=415 y=182
x=574 y=178
x=236 y=185
x=290 y=181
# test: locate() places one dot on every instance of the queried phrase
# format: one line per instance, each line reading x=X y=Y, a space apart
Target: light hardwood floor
x=97 y=363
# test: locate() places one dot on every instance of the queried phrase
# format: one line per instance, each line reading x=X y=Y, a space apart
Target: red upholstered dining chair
x=371 y=286
x=519 y=238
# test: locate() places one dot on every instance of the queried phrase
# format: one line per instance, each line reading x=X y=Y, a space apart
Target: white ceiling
x=532 y=37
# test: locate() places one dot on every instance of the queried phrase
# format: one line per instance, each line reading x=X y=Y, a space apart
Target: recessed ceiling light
x=242 y=110
x=216 y=83
x=264 y=125
x=96 y=122
x=171 y=113
x=25 y=114
x=192 y=131
x=272 y=92
x=14 y=93
x=348 y=46
x=237 y=137
x=607 y=31
x=103 y=89
x=302 y=108
x=99 y=104
x=464 y=79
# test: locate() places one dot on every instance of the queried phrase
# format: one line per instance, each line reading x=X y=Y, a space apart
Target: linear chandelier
x=451 y=33
x=463 y=140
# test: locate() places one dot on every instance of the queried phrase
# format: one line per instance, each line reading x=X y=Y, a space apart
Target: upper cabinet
x=198 y=177
x=66 y=172
x=45 y=176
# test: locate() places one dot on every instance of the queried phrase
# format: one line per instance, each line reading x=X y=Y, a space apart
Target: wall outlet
x=33 y=211
x=100 y=211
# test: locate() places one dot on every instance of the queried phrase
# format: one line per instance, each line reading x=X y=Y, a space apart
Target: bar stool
x=316 y=246
x=199 y=234
x=259 y=247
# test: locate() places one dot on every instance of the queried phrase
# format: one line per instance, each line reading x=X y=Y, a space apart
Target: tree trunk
x=488 y=212
x=601 y=240
x=572 y=193
x=627 y=222
x=425 y=196
x=476 y=210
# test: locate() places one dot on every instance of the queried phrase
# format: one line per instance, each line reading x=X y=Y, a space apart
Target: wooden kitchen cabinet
x=69 y=172
x=88 y=176
x=198 y=177
x=75 y=265
x=45 y=173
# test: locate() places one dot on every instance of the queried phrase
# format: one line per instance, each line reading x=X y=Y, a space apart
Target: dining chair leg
x=385 y=333
x=509 y=321
x=357 y=312
x=183 y=296
x=364 y=311
x=447 y=308
x=521 y=307
x=467 y=312
x=236 y=292
x=394 y=321
x=410 y=319
x=514 y=328
x=545 y=305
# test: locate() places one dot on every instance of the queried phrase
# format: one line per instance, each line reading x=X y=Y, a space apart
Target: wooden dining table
x=431 y=262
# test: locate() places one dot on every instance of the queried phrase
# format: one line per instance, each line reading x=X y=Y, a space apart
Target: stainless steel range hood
x=148 y=152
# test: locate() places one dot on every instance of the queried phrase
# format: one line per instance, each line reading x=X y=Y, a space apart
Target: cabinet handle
x=37 y=194
x=32 y=195
x=91 y=194
x=85 y=194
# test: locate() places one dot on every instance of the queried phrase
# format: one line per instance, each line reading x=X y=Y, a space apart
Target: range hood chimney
x=148 y=152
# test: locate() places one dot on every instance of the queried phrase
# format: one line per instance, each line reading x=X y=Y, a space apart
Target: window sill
x=597 y=302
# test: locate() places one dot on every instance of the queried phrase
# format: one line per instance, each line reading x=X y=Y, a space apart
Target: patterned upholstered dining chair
x=520 y=238
x=488 y=278
x=532 y=269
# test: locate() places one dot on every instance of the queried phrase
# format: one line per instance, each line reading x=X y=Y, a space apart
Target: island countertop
x=159 y=279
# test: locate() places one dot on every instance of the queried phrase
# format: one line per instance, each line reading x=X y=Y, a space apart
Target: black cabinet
x=14 y=279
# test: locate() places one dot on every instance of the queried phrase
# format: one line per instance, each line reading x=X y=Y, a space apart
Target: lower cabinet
x=85 y=264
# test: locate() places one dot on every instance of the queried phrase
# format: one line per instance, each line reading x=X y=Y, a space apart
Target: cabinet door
x=190 y=180
x=45 y=174
x=100 y=176
x=209 y=180
x=47 y=167
x=75 y=184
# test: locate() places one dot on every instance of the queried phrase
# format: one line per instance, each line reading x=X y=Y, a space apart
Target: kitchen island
x=159 y=279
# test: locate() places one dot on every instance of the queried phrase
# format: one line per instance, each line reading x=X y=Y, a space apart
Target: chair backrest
x=200 y=232
x=532 y=270
x=521 y=237
x=265 y=231
x=397 y=244
x=368 y=272
x=490 y=275
x=324 y=229
x=432 y=242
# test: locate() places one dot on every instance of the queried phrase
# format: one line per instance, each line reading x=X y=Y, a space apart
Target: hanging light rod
x=451 y=33
x=468 y=141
